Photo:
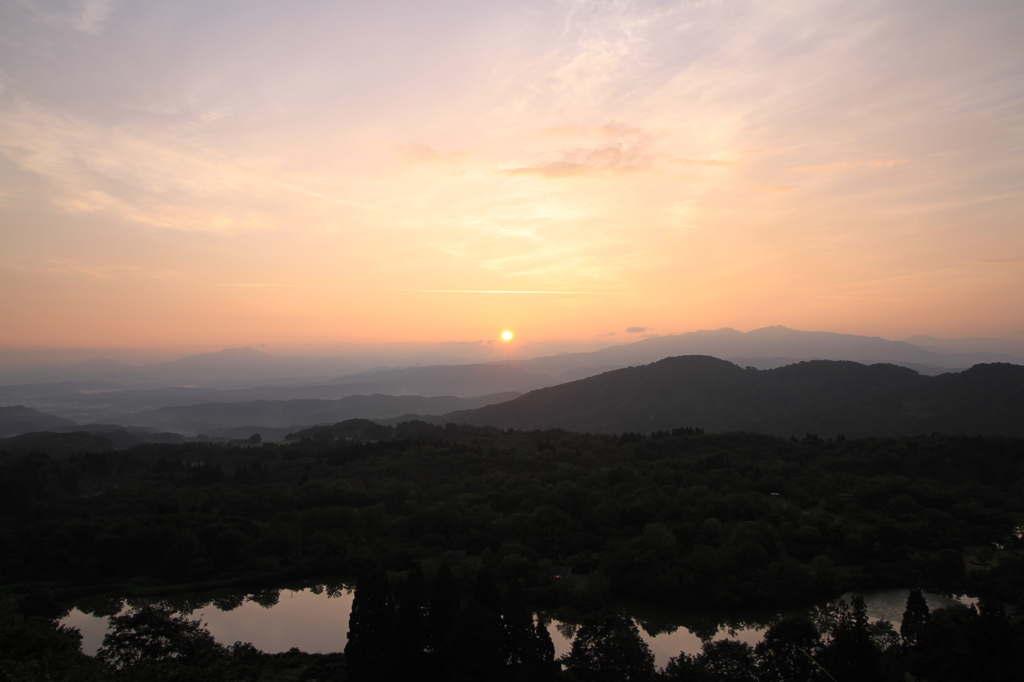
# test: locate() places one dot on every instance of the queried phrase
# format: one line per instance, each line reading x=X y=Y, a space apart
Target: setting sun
x=506 y=336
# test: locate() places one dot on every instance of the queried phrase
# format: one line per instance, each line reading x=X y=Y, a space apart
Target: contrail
x=502 y=291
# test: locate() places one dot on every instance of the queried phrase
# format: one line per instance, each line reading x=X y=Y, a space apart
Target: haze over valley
x=225 y=394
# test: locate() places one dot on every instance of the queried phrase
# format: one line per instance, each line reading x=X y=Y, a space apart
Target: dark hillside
x=821 y=396
x=18 y=419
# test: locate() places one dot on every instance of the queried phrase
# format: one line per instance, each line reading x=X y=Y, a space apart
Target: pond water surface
x=315 y=619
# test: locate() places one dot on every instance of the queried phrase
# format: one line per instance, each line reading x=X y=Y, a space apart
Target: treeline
x=682 y=517
x=405 y=627
x=398 y=632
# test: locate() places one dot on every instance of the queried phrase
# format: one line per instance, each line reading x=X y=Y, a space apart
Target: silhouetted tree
x=609 y=647
x=787 y=652
x=851 y=655
x=410 y=641
x=728 y=660
x=154 y=643
x=441 y=618
x=915 y=620
x=371 y=630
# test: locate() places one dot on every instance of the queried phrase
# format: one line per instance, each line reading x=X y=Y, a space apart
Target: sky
x=205 y=174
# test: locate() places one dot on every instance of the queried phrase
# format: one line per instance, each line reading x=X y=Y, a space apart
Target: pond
x=314 y=619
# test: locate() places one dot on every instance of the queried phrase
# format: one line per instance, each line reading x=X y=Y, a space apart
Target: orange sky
x=209 y=174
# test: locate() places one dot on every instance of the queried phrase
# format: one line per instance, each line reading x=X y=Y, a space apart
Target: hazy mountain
x=105 y=390
x=56 y=444
x=229 y=367
x=780 y=344
x=243 y=366
x=95 y=401
x=459 y=380
x=19 y=419
x=971 y=351
x=215 y=417
x=1006 y=347
x=826 y=397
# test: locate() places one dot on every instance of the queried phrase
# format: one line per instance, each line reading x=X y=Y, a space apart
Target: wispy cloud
x=703 y=162
x=610 y=160
x=850 y=165
x=271 y=285
x=87 y=16
x=169 y=179
x=502 y=291
x=416 y=153
x=613 y=129
x=98 y=271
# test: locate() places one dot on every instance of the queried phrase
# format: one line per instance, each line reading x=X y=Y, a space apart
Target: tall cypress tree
x=371 y=630
x=441 y=619
x=915 y=620
x=518 y=634
x=410 y=641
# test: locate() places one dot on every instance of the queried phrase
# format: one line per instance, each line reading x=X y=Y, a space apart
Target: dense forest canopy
x=682 y=516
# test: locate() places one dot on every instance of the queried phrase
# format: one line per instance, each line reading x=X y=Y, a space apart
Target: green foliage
x=681 y=517
x=34 y=648
x=609 y=647
x=153 y=643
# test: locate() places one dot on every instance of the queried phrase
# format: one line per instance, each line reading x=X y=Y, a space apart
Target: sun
x=506 y=336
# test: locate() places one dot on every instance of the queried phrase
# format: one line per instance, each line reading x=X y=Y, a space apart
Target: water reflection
x=314 y=618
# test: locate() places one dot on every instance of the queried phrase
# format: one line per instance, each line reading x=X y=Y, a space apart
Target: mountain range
x=242 y=388
x=821 y=396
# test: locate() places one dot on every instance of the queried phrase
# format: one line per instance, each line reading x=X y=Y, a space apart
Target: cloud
x=171 y=178
x=417 y=153
x=704 y=162
x=504 y=291
x=608 y=334
x=87 y=16
x=638 y=330
x=609 y=160
x=848 y=165
x=776 y=189
x=272 y=285
x=612 y=129
x=102 y=271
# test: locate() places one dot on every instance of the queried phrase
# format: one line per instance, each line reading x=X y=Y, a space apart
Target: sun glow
x=506 y=336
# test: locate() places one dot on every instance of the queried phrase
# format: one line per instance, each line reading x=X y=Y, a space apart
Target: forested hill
x=822 y=396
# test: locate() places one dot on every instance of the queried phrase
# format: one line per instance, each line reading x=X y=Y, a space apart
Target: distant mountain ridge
x=207 y=417
x=256 y=416
x=780 y=343
x=18 y=419
x=822 y=396
x=101 y=390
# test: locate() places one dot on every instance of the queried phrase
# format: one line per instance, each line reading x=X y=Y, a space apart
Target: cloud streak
x=850 y=165
x=610 y=160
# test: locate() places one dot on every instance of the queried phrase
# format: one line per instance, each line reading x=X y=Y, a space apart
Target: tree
x=441 y=618
x=34 y=648
x=608 y=648
x=410 y=625
x=851 y=655
x=915 y=620
x=153 y=643
x=728 y=660
x=786 y=654
x=371 y=629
